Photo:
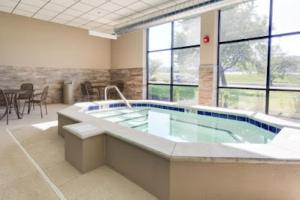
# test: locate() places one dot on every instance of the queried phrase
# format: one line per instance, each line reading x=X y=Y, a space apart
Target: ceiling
x=97 y=15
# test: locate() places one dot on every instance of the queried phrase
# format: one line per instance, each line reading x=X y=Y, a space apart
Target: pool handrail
x=119 y=93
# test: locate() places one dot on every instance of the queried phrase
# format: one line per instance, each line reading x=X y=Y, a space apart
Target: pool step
x=124 y=113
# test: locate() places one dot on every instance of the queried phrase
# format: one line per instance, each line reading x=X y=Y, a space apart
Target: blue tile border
x=259 y=124
x=265 y=126
x=93 y=107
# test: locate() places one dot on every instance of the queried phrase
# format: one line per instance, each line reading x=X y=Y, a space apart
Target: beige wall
x=209 y=26
x=208 y=59
x=29 y=42
x=127 y=51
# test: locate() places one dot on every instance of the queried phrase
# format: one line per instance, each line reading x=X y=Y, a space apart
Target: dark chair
x=26 y=95
x=4 y=104
x=113 y=93
x=88 y=91
x=40 y=99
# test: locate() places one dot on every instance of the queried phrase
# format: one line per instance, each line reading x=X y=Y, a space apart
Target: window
x=259 y=57
x=243 y=63
x=159 y=67
x=173 y=60
x=186 y=66
x=285 y=62
x=162 y=34
x=285 y=16
x=242 y=99
x=247 y=20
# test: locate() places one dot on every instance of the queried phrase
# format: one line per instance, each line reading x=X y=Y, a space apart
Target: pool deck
x=284 y=148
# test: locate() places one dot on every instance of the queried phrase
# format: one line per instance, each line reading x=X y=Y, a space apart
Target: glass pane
x=159 y=92
x=285 y=104
x=186 y=66
x=286 y=16
x=159 y=66
x=185 y=95
x=187 y=32
x=243 y=64
x=160 y=37
x=245 y=20
x=285 y=62
x=253 y=100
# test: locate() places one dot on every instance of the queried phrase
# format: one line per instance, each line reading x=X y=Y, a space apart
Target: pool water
x=186 y=127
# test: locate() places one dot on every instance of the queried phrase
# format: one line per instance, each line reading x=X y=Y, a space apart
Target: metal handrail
x=119 y=93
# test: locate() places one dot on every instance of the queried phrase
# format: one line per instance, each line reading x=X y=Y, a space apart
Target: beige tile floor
x=19 y=179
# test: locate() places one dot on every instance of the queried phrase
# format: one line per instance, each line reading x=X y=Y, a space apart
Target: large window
x=259 y=57
x=173 y=59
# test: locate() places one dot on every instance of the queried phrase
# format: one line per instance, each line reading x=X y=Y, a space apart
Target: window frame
x=267 y=88
x=172 y=49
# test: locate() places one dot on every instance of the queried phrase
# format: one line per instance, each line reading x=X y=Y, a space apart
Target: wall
x=127 y=51
x=48 y=54
x=234 y=181
x=29 y=42
x=127 y=55
x=208 y=59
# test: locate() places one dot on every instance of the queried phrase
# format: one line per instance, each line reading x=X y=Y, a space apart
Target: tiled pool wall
x=254 y=122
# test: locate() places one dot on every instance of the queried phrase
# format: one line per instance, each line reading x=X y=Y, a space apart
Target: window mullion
x=269 y=58
x=218 y=58
x=172 y=61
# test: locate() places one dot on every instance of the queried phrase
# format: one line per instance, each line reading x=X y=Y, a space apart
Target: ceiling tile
x=166 y=5
x=98 y=12
x=103 y=20
x=81 y=20
x=72 y=12
x=155 y=2
x=123 y=2
x=92 y=24
x=105 y=27
x=49 y=13
x=181 y=1
x=112 y=16
x=28 y=8
x=149 y=11
x=59 y=20
x=23 y=13
x=42 y=17
x=8 y=3
x=36 y=3
x=110 y=6
x=110 y=31
x=139 y=6
x=99 y=29
x=93 y=2
x=6 y=9
x=66 y=3
x=89 y=17
x=76 y=24
x=55 y=7
x=64 y=17
x=125 y=12
x=105 y=30
x=82 y=7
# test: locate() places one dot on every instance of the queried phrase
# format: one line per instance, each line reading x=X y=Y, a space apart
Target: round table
x=12 y=95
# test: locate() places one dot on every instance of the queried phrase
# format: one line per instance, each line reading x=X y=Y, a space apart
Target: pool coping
x=285 y=147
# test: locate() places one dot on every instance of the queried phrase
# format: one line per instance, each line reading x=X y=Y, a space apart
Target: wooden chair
x=4 y=104
x=40 y=99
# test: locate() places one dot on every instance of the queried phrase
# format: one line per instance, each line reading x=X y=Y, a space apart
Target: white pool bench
x=84 y=146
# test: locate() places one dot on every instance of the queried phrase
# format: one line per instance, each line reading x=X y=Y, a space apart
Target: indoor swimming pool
x=186 y=126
